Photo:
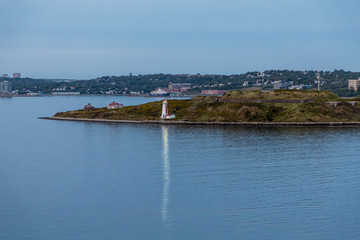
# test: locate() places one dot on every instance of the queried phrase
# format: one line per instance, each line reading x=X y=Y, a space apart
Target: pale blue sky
x=82 y=39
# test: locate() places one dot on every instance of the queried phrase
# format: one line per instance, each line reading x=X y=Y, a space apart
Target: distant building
x=34 y=94
x=16 y=75
x=213 y=92
x=177 y=94
x=179 y=87
x=5 y=75
x=88 y=107
x=281 y=85
x=114 y=105
x=277 y=84
x=354 y=84
x=5 y=87
x=59 y=89
x=65 y=93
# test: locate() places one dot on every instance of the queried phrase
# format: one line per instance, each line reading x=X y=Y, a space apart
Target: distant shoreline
x=110 y=95
x=162 y=122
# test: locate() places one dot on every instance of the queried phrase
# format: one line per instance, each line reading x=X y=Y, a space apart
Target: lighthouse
x=165 y=111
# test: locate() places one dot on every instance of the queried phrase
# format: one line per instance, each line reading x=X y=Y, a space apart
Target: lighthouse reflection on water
x=166 y=174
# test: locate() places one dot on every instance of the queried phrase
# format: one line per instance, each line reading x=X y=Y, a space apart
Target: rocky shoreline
x=170 y=122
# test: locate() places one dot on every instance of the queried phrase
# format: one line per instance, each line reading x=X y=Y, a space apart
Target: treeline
x=335 y=81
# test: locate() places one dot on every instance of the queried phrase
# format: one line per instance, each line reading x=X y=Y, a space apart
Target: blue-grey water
x=79 y=180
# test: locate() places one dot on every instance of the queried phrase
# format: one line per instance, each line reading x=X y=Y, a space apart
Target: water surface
x=81 y=180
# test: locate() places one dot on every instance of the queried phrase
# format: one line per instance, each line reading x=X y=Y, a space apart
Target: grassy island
x=237 y=106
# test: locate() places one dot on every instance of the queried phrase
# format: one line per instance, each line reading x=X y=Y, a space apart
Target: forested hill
x=334 y=81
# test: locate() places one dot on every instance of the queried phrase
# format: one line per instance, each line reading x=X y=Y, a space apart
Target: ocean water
x=81 y=180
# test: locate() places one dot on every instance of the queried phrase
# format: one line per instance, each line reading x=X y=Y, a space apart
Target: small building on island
x=88 y=107
x=115 y=105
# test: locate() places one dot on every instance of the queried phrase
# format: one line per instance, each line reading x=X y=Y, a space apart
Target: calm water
x=75 y=180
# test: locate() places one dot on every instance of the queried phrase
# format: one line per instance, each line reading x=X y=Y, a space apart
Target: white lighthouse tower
x=165 y=111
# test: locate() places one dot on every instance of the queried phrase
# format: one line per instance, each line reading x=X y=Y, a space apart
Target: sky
x=84 y=39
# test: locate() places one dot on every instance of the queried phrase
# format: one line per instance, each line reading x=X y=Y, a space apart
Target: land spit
x=171 y=122
x=274 y=108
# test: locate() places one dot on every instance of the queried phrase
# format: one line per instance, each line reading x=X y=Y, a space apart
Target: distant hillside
x=213 y=109
x=334 y=81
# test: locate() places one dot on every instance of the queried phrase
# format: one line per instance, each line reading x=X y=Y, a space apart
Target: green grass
x=282 y=95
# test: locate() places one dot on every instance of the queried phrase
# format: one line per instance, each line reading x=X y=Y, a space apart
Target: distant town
x=343 y=83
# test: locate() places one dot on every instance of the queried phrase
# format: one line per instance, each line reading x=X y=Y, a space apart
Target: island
x=279 y=107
